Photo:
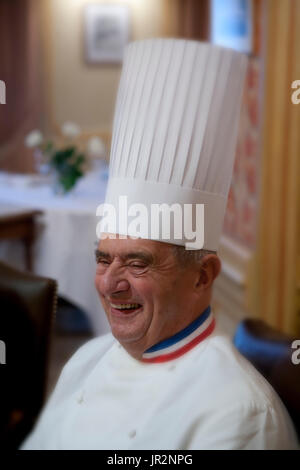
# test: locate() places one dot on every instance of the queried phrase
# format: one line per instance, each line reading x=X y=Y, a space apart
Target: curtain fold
x=19 y=69
x=278 y=294
x=187 y=19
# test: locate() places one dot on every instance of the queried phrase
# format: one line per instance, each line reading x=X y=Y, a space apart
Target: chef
x=165 y=377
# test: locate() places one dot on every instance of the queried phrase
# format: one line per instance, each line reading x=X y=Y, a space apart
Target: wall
x=78 y=91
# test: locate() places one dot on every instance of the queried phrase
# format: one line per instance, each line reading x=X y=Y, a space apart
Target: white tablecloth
x=66 y=237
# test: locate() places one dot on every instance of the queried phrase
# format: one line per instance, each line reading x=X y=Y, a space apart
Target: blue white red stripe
x=183 y=341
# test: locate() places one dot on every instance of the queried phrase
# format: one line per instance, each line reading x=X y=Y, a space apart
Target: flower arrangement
x=66 y=161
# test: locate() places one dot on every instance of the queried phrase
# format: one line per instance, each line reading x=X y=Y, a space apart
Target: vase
x=57 y=187
x=40 y=163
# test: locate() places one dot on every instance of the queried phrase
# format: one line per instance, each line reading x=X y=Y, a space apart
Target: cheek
x=168 y=294
x=143 y=289
x=97 y=282
x=155 y=295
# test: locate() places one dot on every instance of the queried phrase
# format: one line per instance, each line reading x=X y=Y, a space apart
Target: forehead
x=121 y=246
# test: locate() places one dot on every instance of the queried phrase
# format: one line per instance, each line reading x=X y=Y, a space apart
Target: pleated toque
x=175 y=130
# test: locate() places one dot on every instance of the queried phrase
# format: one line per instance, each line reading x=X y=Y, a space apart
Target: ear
x=209 y=269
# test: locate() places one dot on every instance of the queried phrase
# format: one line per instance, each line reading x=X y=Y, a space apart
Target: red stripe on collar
x=184 y=349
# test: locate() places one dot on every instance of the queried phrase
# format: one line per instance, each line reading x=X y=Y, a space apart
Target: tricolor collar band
x=182 y=342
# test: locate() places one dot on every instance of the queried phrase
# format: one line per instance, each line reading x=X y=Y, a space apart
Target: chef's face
x=144 y=292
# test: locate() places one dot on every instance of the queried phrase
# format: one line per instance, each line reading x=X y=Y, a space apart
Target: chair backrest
x=28 y=306
x=271 y=353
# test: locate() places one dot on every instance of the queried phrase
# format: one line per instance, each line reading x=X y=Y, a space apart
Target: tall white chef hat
x=174 y=136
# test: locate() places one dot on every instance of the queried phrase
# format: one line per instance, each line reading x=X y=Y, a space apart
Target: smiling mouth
x=125 y=308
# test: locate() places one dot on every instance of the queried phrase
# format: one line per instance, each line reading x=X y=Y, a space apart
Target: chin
x=128 y=333
x=124 y=334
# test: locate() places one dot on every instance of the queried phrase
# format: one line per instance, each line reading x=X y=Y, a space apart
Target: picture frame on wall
x=106 y=32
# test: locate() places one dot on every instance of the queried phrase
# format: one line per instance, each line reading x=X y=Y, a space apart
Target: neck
x=177 y=343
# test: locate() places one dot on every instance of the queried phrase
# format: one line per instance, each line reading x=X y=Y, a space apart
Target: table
x=66 y=236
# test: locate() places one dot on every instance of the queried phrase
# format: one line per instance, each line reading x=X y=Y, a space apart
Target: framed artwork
x=106 y=32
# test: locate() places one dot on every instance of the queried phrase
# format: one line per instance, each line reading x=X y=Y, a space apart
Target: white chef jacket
x=209 y=398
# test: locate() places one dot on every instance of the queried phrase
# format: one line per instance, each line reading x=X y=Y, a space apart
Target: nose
x=112 y=281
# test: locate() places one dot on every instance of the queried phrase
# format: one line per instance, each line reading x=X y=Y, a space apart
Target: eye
x=137 y=267
x=102 y=261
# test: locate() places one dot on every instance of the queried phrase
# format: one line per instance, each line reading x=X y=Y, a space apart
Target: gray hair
x=188 y=257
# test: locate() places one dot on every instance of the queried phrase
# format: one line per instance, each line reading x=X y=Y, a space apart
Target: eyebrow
x=141 y=255
x=101 y=254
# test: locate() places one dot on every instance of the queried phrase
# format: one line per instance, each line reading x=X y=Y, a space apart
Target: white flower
x=70 y=130
x=34 y=138
x=96 y=147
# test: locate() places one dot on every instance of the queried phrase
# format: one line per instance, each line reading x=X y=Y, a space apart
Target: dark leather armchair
x=28 y=305
x=271 y=353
